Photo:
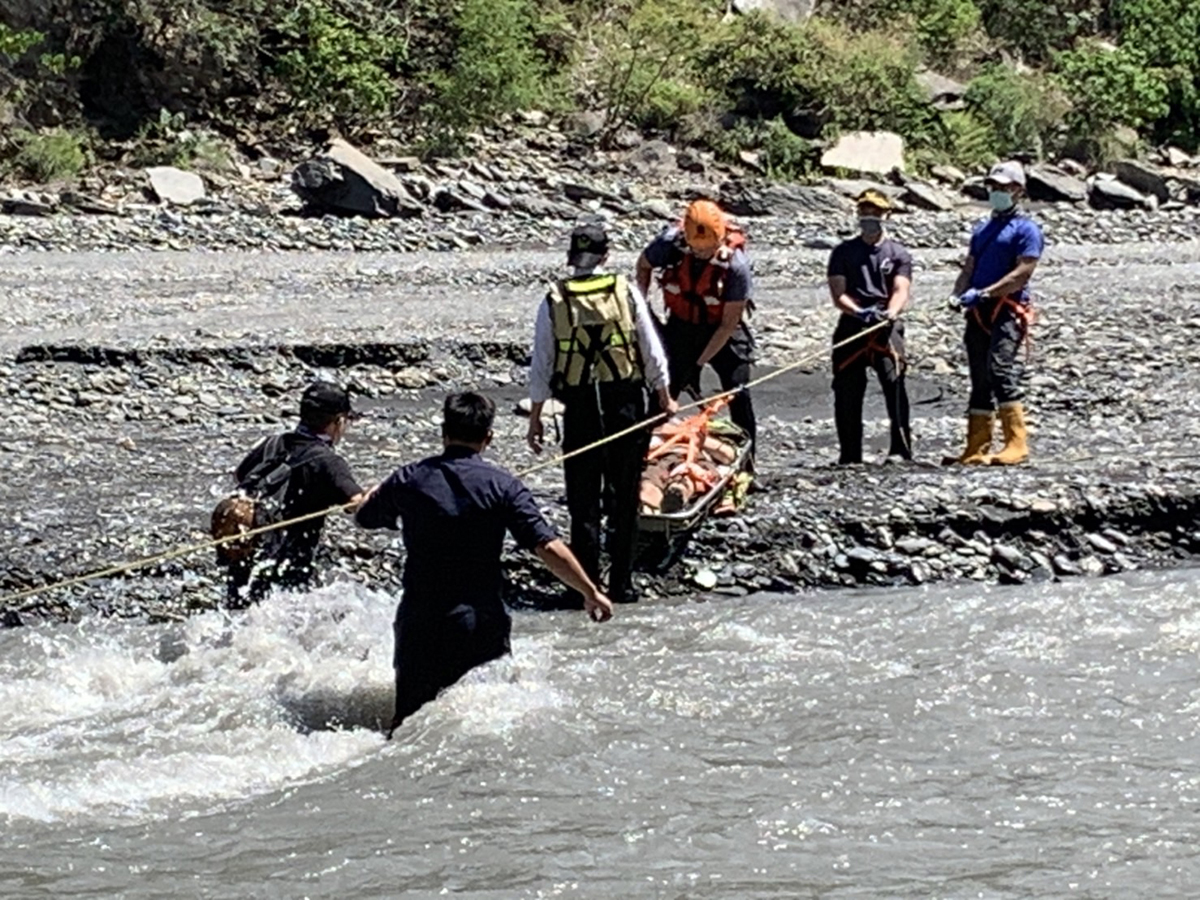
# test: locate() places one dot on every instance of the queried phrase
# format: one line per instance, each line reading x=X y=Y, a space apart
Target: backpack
x=257 y=502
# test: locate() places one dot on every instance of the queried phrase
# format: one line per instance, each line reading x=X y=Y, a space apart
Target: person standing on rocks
x=308 y=477
x=596 y=349
x=707 y=291
x=869 y=279
x=993 y=288
x=454 y=510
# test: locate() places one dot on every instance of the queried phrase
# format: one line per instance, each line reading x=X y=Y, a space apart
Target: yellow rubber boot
x=1016 y=444
x=979 y=441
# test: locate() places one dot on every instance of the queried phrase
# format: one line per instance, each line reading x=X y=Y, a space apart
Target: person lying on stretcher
x=685 y=461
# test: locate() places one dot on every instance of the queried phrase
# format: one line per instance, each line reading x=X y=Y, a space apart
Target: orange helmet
x=704 y=226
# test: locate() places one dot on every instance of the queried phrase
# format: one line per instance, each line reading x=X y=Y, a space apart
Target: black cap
x=324 y=399
x=589 y=245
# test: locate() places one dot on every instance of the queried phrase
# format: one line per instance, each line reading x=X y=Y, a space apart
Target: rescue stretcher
x=662 y=534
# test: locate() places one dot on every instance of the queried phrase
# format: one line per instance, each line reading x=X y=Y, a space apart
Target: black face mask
x=870 y=226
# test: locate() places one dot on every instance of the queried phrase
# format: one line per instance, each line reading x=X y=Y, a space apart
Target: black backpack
x=258 y=502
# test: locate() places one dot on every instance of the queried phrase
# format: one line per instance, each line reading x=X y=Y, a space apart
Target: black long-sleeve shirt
x=454 y=510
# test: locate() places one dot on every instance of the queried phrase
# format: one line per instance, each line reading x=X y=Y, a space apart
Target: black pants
x=606 y=478
x=249 y=580
x=883 y=351
x=994 y=338
x=432 y=653
x=685 y=342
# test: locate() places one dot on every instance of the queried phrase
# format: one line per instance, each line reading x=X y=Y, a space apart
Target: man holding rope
x=869 y=280
x=454 y=510
x=596 y=349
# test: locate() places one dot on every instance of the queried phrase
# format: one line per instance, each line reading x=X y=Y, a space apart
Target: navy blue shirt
x=669 y=249
x=455 y=509
x=870 y=270
x=998 y=243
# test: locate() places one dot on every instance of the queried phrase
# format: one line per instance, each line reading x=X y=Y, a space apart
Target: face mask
x=870 y=225
x=1002 y=201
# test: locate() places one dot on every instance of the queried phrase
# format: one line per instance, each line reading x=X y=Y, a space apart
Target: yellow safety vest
x=595 y=335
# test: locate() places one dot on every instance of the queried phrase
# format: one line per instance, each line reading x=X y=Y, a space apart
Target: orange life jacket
x=697 y=298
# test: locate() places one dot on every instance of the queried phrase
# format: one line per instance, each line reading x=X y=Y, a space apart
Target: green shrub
x=1166 y=34
x=1108 y=88
x=1037 y=29
x=968 y=140
x=55 y=155
x=825 y=71
x=941 y=26
x=14 y=44
x=642 y=63
x=497 y=67
x=337 y=66
x=1022 y=109
x=168 y=141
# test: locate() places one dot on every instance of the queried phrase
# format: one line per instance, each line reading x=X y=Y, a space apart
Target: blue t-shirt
x=667 y=251
x=998 y=243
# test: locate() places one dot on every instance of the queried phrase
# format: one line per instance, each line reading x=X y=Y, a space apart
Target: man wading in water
x=454 y=510
x=307 y=476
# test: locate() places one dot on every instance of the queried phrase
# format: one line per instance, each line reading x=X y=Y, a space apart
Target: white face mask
x=1002 y=201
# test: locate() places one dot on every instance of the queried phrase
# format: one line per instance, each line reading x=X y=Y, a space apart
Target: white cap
x=1011 y=172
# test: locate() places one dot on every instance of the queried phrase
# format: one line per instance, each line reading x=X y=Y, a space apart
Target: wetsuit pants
x=883 y=351
x=684 y=342
x=994 y=337
x=605 y=479
x=250 y=580
x=433 y=652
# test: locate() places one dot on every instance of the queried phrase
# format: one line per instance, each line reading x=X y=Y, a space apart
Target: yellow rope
x=148 y=561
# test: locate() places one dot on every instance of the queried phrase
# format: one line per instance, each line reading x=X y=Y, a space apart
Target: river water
x=926 y=742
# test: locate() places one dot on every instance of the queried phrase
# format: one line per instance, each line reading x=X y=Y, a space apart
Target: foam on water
x=112 y=720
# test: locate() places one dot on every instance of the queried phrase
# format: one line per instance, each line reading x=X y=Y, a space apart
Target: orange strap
x=1024 y=313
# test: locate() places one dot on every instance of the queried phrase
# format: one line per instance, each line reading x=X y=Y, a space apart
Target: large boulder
x=175 y=186
x=1109 y=193
x=874 y=152
x=926 y=196
x=1052 y=185
x=1142 y=177
x=788 y=10
x=344 y=181
x=740 y=199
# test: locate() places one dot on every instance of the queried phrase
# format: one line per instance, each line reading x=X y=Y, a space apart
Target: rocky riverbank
x=135 y=380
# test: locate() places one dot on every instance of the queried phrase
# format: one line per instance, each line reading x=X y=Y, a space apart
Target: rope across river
x=212 y=544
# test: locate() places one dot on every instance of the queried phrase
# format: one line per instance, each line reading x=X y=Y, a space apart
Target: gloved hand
x=871 y=315
x=970 y=297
